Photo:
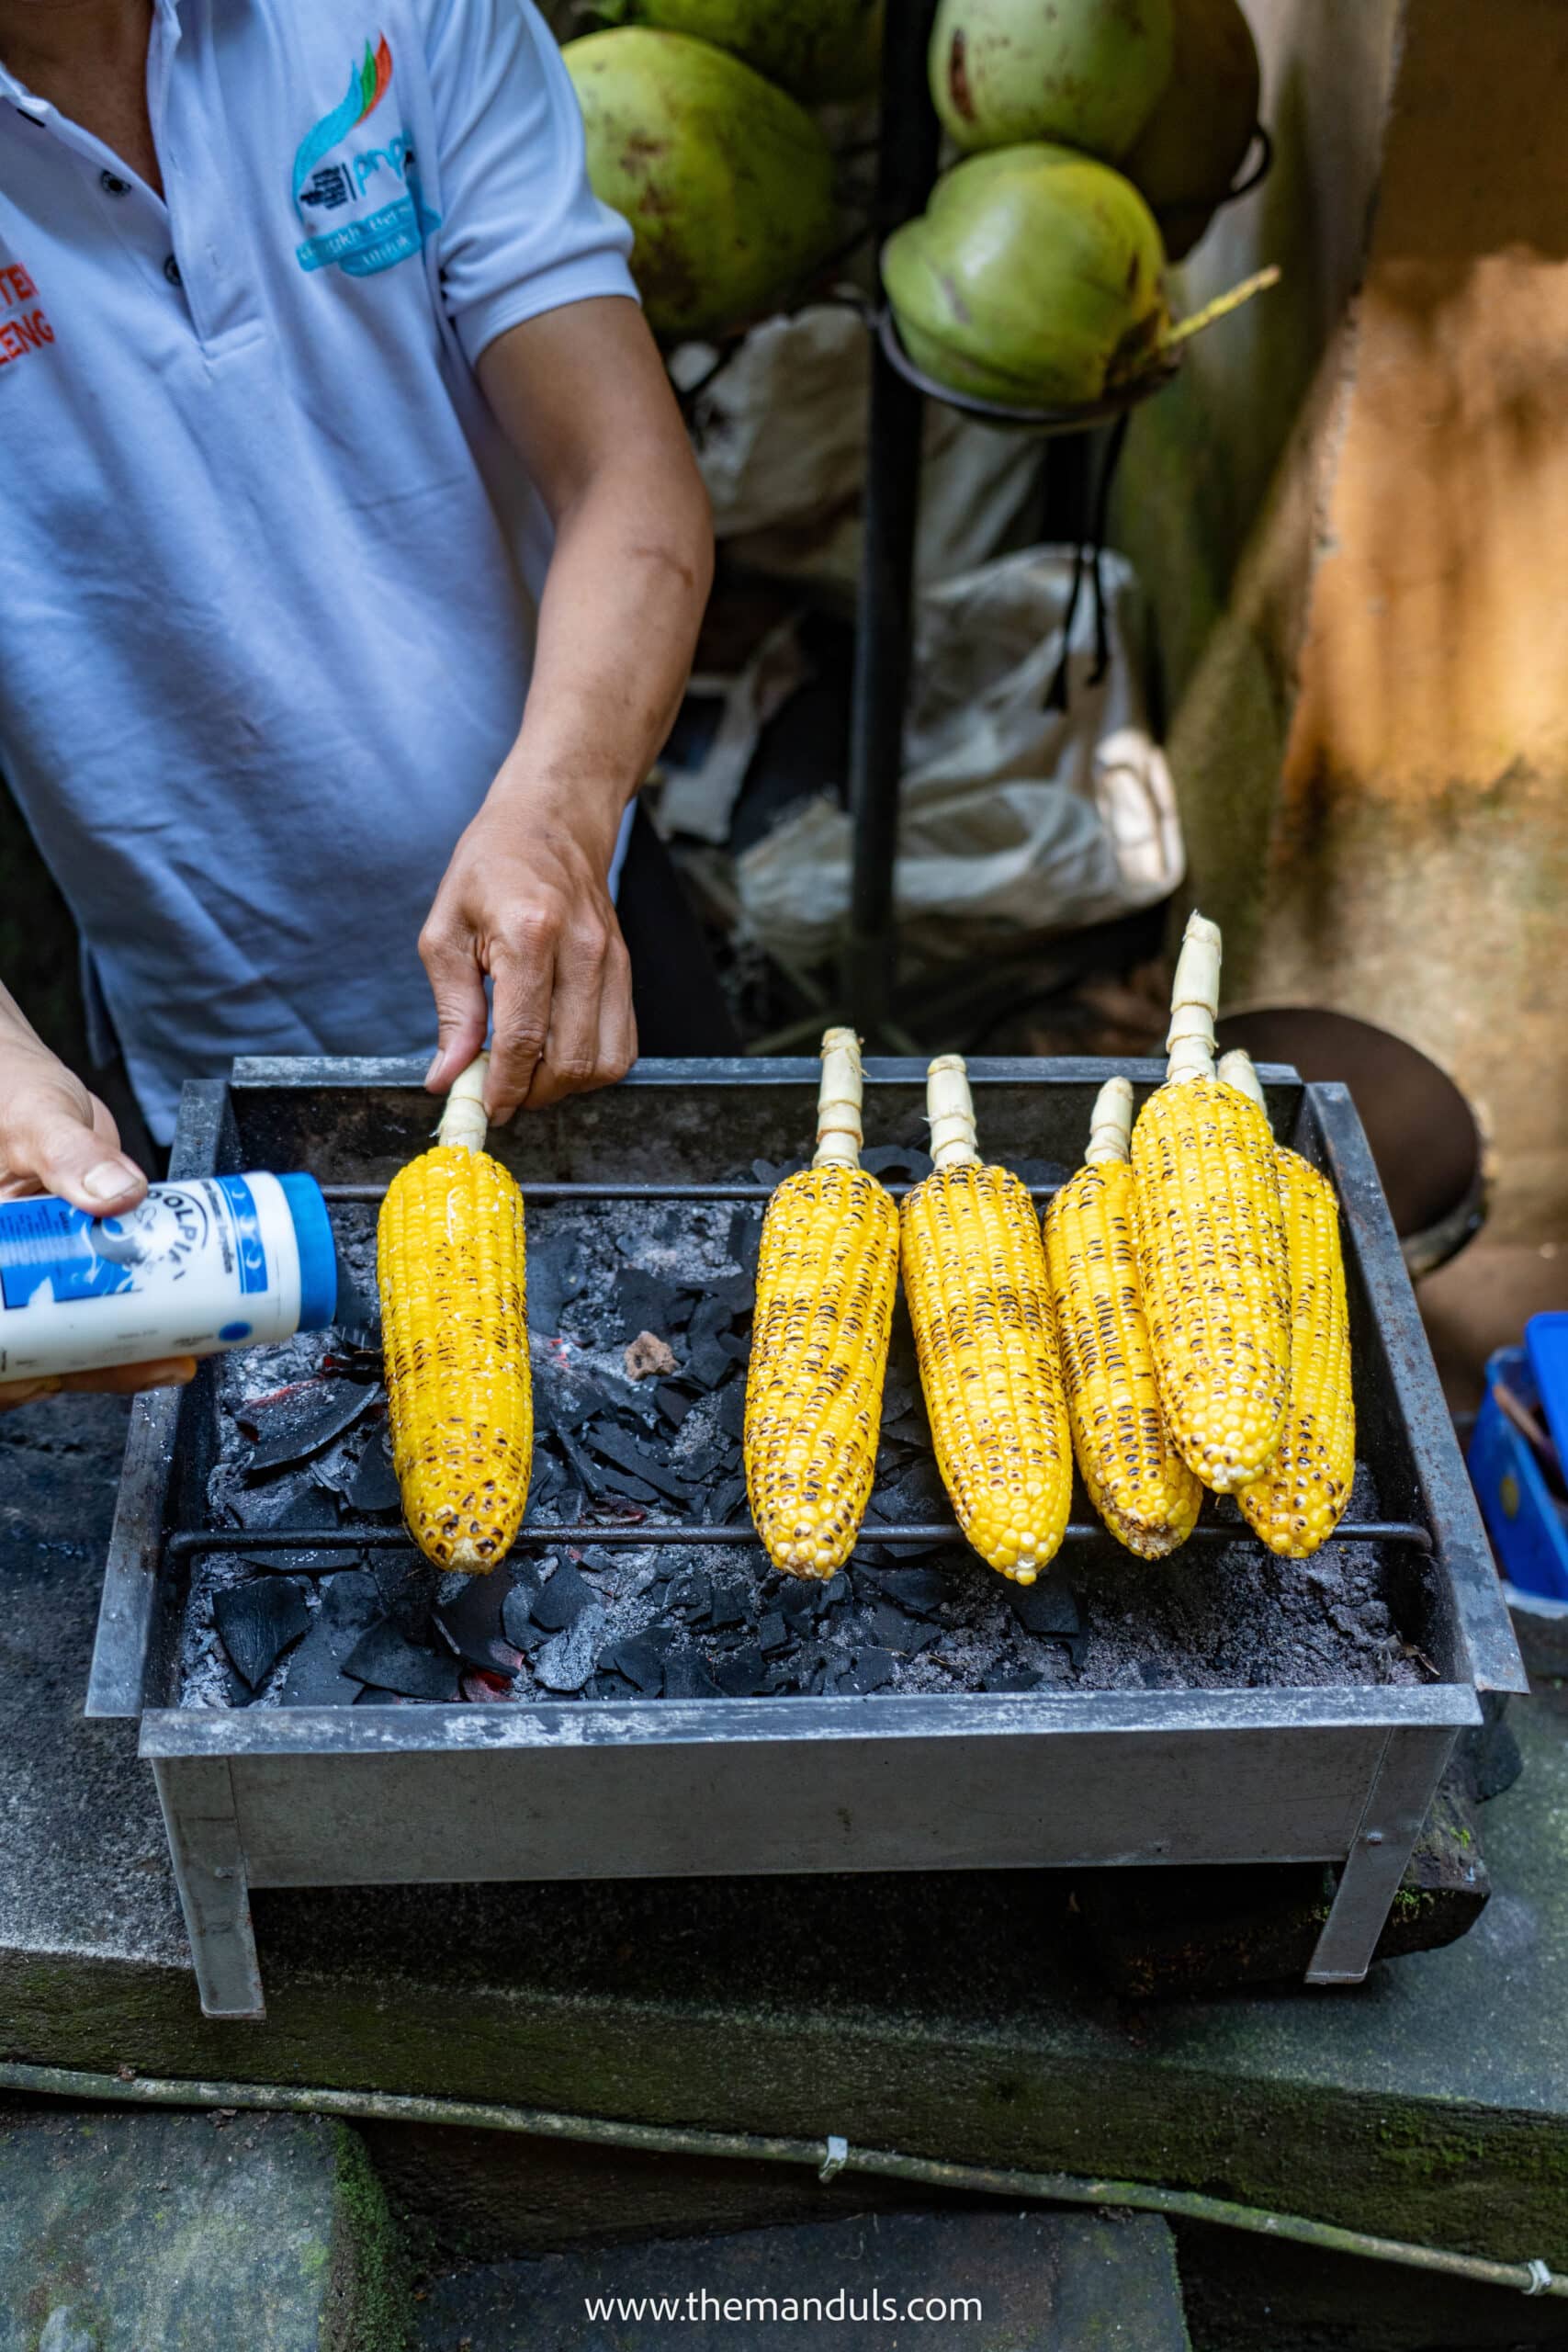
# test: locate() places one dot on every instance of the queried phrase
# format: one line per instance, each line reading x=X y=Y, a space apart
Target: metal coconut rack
x=601 y=1789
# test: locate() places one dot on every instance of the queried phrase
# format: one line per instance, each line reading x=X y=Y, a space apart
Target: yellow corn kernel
x=1136 y=1480
x=1212 y=1260
x=976 y=1280
x=451 y=1271
x=1300 y=1498
x=827 y=1272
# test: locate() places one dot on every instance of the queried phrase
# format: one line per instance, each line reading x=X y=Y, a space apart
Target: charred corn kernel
x=1136 y=1479
x=979 y=1293
x=450 y=1268
x=1211 y=1245
x=1301 y=1497
x=827 y=1272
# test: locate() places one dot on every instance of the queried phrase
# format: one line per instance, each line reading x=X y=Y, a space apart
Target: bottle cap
x=318 y=1256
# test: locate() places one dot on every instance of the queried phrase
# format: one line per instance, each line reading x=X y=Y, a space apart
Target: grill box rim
x=224 y=1776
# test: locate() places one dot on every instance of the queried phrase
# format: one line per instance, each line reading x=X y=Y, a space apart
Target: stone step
x=163 y=2232
x=988 y=2282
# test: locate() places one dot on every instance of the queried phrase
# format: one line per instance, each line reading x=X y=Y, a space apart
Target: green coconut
x=1085 y=73
x=817 y=50
x=1033 y=279
x=726 y=183
x=1193 y=145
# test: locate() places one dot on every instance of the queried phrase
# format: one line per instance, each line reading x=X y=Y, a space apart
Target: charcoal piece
x=1043 y=1175
x=314 y=1676
x=730 y=1605
x=736 y=1291
x=387 y=1658
x=588 y=1474
x=604 y=1686
x=303 y=1421
x=896 y=1163
x=766 y=1174
x=256 y=1623
x=566 y=1662
x=350 y=1606
x=1012 y=1679
x=310 y=1509
x=613 y=1446
x=737 y=1346
x=893 y=1630
x=407 y=1587
x=911 y=1428
x=617 y=1482
x=745 y=1238
x=920 y=1590
x=674 y=1403
x=703 y=1464
x=571 y=1400
x=712 y=1315
x=646 y=1302
x=730 y=1414
x=897 y=1397
x=373 y=1487
x=773 y=1634
x=687 y=1677
x=562 y=1601
x=1046 y=1607
x=742 y=1673
x=799 y=1602
x=727 y=1507
x=690 y=1595
x=471 y=1623
x=557 y=1271
x=871 y=1669
x=370 y=1696
x=640 y=1661
x=707 y=1363
x=302 y=1563
x=483 y=1687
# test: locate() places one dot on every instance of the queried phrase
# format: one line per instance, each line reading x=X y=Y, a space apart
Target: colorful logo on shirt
x=378 y=227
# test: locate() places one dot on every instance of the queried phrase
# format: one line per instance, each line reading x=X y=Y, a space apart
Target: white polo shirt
x=267 y=569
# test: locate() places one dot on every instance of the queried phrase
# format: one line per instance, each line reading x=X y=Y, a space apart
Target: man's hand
x=582 y=393
x=524 y=899
x=56 y=1138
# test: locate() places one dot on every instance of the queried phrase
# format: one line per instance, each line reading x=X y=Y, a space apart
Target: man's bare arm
x=582 y=395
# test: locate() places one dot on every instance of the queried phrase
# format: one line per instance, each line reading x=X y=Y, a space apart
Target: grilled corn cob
x=974 y=1277
x=1211 y=1244
x=1136 y=1480
x=450 y=1266
x=1300 y=1498
x=827 y=1272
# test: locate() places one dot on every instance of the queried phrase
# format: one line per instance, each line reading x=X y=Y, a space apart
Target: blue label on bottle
x=49 y=1246
x=248 y=1241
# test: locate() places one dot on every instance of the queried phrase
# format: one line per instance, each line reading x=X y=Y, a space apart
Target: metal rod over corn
x=1211 y=1244
x=1136 y=1479
x=451 y=1270
x=1300 y=1498
x=979 y=1293
x=827 y=1272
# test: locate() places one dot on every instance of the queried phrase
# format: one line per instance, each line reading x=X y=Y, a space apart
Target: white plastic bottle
x=219 y=1261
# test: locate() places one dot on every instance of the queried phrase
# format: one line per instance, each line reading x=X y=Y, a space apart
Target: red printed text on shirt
x=24 y=328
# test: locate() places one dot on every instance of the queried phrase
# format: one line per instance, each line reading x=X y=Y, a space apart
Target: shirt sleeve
x=521 y=231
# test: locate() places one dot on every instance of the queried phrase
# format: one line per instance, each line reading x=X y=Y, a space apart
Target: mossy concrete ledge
x=939 y=2015
x=119 y=2232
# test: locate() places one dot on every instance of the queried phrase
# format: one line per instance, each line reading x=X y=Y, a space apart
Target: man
x=353 y=556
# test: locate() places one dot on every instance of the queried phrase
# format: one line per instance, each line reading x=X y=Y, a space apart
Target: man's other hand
x=55 y=1136
x=526 y=899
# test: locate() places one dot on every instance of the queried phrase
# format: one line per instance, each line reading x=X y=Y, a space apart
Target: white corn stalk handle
x=949 y=1110
x=1110 y=1126
x=464 y=1126
x=838 y=1098
x=1236 y=1069
x=1194 y=1000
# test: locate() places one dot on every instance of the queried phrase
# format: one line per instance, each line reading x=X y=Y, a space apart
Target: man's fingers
x=571 y=1061
x=67 y=1156
x=126 y=1380
x=522 y=985
x=461 y=1013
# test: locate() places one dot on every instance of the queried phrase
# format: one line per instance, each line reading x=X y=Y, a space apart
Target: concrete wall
x=1371 y=736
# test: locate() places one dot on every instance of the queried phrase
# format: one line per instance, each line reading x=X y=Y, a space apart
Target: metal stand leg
x=906 y=171
x=1403 y=1788
x=198 y=1798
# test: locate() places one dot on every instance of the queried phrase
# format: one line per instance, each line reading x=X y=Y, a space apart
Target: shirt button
x=172 y=270
x=112 y=185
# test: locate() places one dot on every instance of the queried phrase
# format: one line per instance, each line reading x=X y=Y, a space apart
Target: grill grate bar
x=358 y=1539
x=544 y=1190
